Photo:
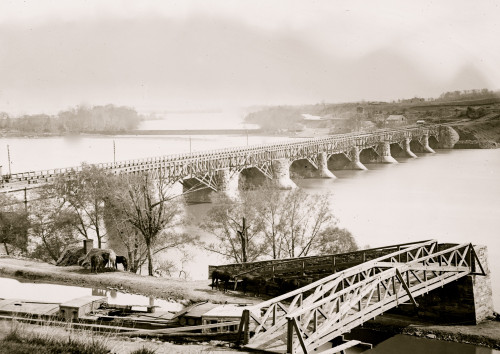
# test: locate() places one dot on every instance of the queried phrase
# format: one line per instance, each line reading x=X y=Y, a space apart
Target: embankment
x=162 y=288
x=482 y=133
x=485 y=334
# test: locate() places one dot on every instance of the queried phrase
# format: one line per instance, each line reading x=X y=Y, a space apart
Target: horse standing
x=123 y=260
x=223 y=276
x=255 y=282
x=96 y=263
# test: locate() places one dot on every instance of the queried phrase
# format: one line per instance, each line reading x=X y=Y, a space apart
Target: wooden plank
x=338 y=348
x=179 y=329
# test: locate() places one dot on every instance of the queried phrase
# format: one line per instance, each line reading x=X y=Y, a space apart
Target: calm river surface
x=451 y=196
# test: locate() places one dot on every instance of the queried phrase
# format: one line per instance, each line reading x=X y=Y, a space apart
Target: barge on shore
x=202 y=320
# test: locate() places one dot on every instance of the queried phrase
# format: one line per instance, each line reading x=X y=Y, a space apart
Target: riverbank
x=484 y=334
x=179 y=290
x=481 y=133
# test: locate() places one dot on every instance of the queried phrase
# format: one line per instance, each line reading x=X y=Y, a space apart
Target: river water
x=14 y=289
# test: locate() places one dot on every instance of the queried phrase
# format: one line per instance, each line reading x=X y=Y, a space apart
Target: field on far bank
x=161 y=288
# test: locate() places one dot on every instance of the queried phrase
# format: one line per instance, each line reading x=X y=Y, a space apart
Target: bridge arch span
x=433 y=142
x=338 y=161
x=303 y=168
x=369 y=155
x=252 y=177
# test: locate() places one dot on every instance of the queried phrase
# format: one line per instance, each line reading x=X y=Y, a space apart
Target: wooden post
x=8 y=157
x=289 y=337
x=25 y=200
x=243 y=329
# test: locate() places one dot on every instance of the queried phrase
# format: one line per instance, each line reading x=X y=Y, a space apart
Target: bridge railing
x=272 y=148
x=311 y=265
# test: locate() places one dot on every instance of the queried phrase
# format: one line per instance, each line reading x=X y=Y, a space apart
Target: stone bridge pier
x=386 y=156
x=380 y=153
x=228 y=182
x=355 y=163
x=323 y=171
x=281 y=174
x=469 y=300
x=407 y=148
x=422 y=145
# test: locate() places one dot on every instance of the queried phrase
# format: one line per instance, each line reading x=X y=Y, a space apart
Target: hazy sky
x=198 y=54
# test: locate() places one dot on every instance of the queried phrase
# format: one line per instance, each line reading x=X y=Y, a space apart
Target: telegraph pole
x=8 y=157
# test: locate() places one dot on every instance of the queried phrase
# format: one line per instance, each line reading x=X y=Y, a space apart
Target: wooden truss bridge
x=213 y=168
x=308 y=319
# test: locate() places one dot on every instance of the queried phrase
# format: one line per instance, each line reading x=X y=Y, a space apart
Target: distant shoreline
x=17 y=134
x=190 y=132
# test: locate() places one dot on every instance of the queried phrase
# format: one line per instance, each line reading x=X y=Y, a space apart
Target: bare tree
x=150 y=208
x=85 y=192
x=279 y=224
x=52 y=225
x=335 y=240
x=235 y=227
x=118 y=224
x=14 y=224
x=305 y=216
x=269 y=204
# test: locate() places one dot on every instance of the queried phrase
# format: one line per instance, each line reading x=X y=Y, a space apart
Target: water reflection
x=13 y=289
x=413 y=345
x=98 y=292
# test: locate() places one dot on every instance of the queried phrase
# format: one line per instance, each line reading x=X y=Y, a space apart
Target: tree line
x=80 y=119
x=141 y=213
x=267 y=223
x=277 y=118
x=476 y=94
x=136 y=209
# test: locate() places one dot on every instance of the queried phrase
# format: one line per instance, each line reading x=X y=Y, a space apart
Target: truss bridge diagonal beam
x=304 y=320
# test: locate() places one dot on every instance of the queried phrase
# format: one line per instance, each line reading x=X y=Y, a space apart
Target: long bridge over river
x=225 y=169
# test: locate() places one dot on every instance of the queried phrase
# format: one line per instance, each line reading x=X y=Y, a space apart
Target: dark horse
x=123 y=260
x=287 y=285
x=96 y=263
x=254 y=282
x=222 y=276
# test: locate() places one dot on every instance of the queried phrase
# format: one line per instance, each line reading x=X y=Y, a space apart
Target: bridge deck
x=203 y=163
x=307 y=319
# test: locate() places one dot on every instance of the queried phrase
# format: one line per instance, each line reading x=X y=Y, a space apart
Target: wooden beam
x=339 y=348
x=405 y=286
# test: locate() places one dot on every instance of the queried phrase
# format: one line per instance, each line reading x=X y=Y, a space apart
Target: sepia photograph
x=267 y=176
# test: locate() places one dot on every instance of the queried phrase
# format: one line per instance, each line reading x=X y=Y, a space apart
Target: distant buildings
x=396 y=119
